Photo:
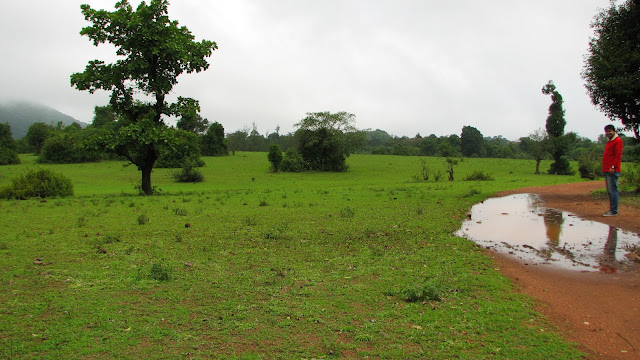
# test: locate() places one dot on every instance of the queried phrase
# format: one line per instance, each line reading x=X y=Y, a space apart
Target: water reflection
x=519 y=225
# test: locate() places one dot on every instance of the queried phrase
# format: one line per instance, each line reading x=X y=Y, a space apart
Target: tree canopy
x=472 y=142
x=152 y=52
x=8 y=148
x=612 y=65
x=326 y=139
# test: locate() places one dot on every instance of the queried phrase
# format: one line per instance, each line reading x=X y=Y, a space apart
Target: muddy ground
x=598 y=310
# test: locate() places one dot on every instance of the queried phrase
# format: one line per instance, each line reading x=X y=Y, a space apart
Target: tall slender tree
x=555 y=130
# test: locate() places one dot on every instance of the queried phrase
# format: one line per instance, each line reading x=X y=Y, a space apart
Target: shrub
x=275 y=157
x=420 y=293
x=347 y=212
x=39 y=183
x=478 y=175
x=159 y=272
x=143 y=219
x=631 y=177
x=67 y=148
x=589 y=165
x=437 y=175
x=292 y=162
x=9 y=156
x=188 y=173
x=185 y=149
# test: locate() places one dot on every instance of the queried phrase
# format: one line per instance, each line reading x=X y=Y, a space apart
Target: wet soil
x=598 y=310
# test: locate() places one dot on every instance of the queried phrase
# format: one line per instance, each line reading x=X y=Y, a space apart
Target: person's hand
x=612 y=171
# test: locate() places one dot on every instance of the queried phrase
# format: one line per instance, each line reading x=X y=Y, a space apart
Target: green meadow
x=251 y=264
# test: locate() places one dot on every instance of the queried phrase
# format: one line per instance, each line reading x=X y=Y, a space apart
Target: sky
x=404 y=66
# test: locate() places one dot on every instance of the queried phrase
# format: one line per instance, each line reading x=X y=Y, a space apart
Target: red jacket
x=612 y=155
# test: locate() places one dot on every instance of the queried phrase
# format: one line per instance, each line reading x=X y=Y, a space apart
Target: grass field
x=255 y=265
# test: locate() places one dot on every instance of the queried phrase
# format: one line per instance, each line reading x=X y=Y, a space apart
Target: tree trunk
x=538 y=166
x=146 y=180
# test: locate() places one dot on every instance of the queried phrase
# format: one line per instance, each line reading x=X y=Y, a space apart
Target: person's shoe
x=609 y=213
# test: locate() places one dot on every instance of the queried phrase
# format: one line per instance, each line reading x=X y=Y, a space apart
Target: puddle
x=520 y=226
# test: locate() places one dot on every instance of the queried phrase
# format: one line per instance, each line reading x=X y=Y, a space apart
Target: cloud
x=403 y=66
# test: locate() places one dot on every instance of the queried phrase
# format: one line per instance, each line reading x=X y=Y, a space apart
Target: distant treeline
x=196 y=137
x=471 y=143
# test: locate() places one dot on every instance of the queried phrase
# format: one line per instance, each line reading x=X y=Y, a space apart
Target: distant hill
x=20 y=115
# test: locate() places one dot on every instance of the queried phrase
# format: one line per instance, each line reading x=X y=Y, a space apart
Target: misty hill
x=20 y=115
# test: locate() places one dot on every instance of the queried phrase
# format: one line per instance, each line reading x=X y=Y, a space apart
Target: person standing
x=611 y=160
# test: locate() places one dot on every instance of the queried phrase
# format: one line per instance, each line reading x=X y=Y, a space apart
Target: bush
x=143 y=219
x=631 y=177
x=67 y=149
x=185 y=148
x=160 y=272
x=189 y=173
x=589 y=165
x=478 y=175
x=9 y=156
x=292 y=162
x=420 y=293
x=561 y=167
x=275 y=157
x=39 y=183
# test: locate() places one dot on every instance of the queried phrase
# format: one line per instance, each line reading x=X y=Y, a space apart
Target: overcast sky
x=406 y=67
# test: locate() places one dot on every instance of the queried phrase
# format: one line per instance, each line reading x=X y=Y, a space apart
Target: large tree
x=37 y=134
x=536 y=146
x=213 y=142
x=472 y=142
x=612 y=66
x=152 y=52
x=8 y=147
x=555 y=130
x=326 y=139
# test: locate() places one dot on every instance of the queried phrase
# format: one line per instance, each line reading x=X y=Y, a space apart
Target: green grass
x=255 y=265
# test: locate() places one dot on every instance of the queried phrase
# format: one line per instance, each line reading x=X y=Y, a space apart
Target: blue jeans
x=612 y=190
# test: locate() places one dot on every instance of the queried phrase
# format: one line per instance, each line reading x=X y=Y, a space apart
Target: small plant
x=347 y=212
x=420 y=293
x=159 y=272
x=273 y=235
x=478 y=175
x=143 y=219
x=154 y=189
x=437 y=175
x=108 y=239
x=38 y=183
x=450 y=164
x=470 y=193
x=425 y=172
x=251 y=221
x=82 y=221
x=180 y=211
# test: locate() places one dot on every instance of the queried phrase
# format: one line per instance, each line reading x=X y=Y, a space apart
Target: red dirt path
x=599 y=311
